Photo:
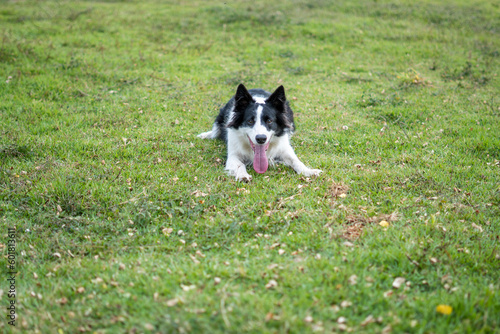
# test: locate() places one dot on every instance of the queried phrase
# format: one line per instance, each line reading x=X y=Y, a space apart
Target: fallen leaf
x=477 y=227
x=353 y=280
x=341 y=320
x=198 y=193
x=188 y=287
x=398 y=282
x=193 y=258
x=172 y=302
x=308 y=319
x=444 y=309
x=342 y=327
x=369 y=319
x=384 y=223
x=166 y=231
x=272 y=284
x=345 y=304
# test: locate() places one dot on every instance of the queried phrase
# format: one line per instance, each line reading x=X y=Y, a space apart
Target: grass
x=127 y=222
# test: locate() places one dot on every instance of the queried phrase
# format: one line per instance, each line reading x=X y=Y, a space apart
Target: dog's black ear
x=277 y=99
x=242 y=97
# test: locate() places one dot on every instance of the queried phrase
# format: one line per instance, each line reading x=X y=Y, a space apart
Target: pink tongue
x=260 y=163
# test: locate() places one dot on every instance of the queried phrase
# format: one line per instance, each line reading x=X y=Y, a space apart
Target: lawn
x=126 y=222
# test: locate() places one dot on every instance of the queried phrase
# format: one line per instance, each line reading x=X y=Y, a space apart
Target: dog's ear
x=242 y=97
x=277 y=99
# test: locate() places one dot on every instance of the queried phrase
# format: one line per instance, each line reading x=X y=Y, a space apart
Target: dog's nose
x=261 y=139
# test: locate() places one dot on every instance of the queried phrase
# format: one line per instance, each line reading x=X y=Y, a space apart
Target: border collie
x=257 y=127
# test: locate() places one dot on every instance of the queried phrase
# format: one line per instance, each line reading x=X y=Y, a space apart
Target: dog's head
x=260 y=118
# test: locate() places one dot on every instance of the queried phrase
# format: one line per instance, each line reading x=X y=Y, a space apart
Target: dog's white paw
x=244 y=177
x=311 y=172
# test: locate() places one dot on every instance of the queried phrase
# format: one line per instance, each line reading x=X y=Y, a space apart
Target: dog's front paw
x=244 y=177
x=311 y=172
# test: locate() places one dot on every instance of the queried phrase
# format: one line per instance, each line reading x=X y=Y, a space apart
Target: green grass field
x=127 y=223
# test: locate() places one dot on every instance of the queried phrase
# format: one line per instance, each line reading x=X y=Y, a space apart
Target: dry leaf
x=345 y=304
x=384 y=223
x=272 y=284
x=477 y=227
x=198 y=193
x=172 y=302
x=166 y=231
x=56 y=254
x=308 y=319
x=353 y=280
x=216 y=280
x=398 y=282
x=193 y=258
x=80 y=289
x=188 y=287
x=369 y=319
x=341 y=320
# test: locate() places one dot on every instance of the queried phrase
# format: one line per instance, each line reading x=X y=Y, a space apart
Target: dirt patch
x=356 y=224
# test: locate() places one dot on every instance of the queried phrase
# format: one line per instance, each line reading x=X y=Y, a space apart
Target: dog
x=257 y=126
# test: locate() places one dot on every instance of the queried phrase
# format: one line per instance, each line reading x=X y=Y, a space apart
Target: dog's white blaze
x=258 y=128
x=259 y=99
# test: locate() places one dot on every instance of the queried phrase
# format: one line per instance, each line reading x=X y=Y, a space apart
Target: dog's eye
x=250 y=121
x=269 y=121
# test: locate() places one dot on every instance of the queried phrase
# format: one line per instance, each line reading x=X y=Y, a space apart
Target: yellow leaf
x=444 y=309
x=384 y=223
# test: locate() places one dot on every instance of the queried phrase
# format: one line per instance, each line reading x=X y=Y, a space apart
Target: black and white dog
x=257 y=127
